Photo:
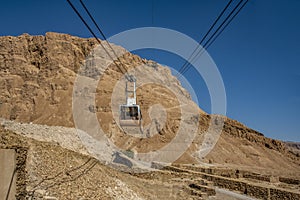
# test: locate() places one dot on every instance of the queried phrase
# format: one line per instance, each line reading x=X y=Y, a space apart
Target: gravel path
x=63 y=136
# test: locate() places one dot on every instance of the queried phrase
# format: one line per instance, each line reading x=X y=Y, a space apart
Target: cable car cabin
x=130 y=115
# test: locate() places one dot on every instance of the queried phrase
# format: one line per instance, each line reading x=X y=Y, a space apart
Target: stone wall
x=229 y=179
x=9 y=142
x=280 y=194
x=289 y=181
x=7 y=174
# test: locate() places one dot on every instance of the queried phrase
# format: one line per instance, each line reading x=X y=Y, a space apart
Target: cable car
x=130 y=113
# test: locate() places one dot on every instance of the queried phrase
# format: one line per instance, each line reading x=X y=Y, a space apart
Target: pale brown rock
x=37 y=75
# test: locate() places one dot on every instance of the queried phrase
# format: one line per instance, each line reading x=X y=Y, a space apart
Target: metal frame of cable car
x=130 y=113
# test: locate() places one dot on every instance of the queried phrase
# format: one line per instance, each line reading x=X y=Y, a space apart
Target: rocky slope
x=37 y=76
x=53 y=172
x=52 y=163
x=293 y=147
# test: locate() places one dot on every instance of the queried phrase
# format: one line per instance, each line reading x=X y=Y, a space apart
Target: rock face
x=293 y=147
x=253 y=151
x=37 y=76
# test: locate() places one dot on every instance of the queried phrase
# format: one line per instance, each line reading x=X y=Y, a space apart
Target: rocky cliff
x=37 y=76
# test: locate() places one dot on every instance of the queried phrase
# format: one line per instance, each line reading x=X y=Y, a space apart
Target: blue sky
x=257 y=55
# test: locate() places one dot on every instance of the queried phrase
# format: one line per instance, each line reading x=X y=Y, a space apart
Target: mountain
x=63 y=81
x=293 y=147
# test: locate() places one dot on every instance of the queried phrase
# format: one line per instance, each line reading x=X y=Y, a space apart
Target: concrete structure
x=7 y=174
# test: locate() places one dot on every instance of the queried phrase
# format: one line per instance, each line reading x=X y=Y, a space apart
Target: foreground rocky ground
x=48 y=167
